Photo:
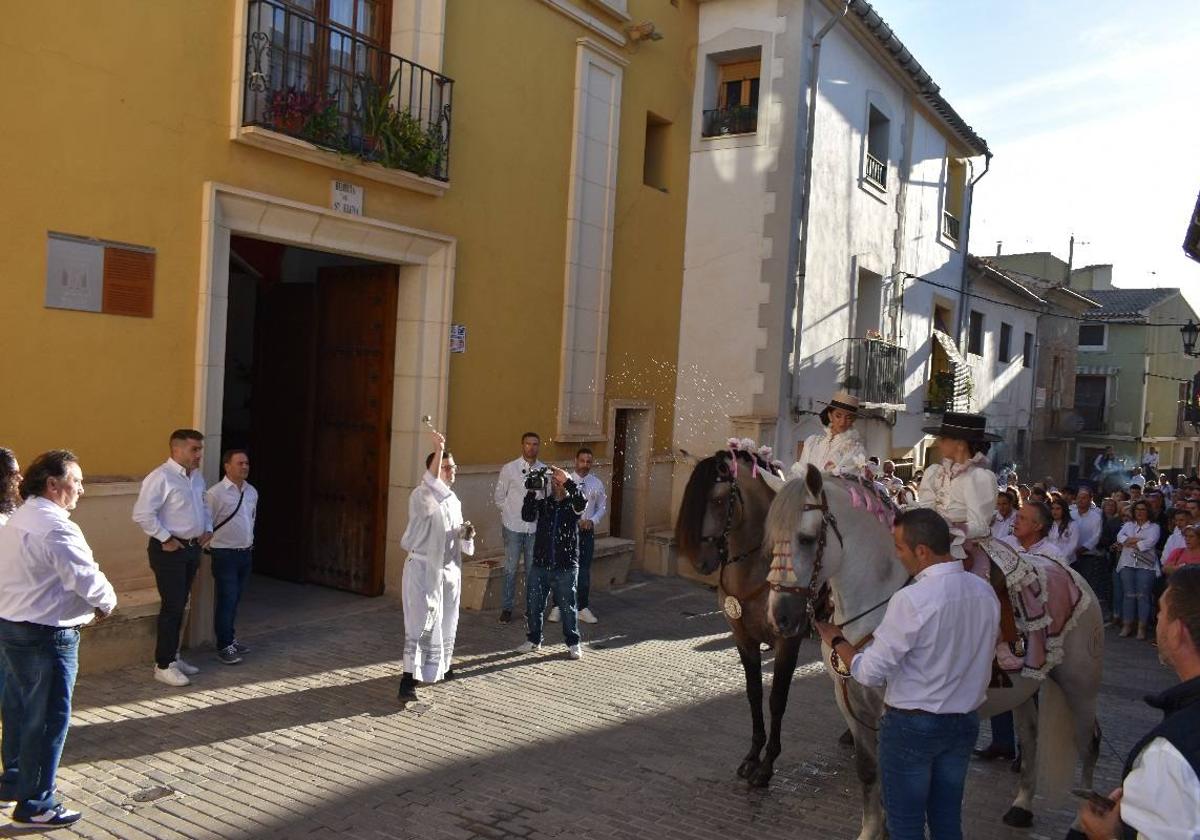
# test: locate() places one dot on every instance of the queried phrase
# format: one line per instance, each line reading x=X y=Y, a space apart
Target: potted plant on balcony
x=395 y=137
x=301 y=113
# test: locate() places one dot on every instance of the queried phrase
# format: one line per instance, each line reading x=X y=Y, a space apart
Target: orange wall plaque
x=128 y=282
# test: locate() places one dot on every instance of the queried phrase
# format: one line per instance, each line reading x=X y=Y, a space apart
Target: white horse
x=837 y=543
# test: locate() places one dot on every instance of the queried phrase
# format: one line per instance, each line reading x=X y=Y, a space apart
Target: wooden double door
x=321 y=426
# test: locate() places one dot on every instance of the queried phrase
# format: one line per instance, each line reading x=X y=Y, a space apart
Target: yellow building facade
x=207 y=167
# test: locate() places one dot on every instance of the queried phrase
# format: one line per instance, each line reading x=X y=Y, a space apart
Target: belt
x=911 y=712
x=185 y=542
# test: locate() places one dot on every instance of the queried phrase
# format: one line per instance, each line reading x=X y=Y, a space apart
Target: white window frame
x=1093 y=348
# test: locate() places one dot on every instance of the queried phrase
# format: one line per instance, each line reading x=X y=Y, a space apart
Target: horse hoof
x=747 y=768
x=1018 y=817
x=761 y=777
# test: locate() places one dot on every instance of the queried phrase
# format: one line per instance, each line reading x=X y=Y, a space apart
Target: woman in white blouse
x=1063 y=535
x=1138 y=567
x=839 y=448
x=1006 y=513
x=962 y=488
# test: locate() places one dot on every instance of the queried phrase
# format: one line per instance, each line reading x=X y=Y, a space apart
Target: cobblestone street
x=640 y=739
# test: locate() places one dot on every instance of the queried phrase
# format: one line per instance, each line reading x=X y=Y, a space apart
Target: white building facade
x=778 y=314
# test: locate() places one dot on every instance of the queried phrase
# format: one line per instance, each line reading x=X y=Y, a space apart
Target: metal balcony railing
x=339 y=92
x=876 y=171
x=739 y=119
x=873 y=370
x=950 y=226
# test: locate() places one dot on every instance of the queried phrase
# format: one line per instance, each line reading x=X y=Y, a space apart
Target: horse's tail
x=1056 y=750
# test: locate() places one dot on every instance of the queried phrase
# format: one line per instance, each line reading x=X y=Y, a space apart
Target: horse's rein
x=721 y=541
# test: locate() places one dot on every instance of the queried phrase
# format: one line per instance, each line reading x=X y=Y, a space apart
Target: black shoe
x=239 y=647
x=994 y=751
x=846 y=739
x=58 y=815
x=449 y=675
x=408 y=689
x=505 y=616
x=229 y=655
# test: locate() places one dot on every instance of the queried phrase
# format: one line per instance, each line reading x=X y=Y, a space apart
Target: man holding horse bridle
x=933 y=651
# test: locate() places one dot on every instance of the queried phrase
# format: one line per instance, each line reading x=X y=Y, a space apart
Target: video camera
x=537 y=479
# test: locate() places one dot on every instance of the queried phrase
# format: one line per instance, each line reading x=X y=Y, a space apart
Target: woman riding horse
x=839 y=448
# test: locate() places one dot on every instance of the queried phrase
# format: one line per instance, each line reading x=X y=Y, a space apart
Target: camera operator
x=555 y=555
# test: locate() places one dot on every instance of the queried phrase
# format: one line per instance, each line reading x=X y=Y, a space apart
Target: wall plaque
x=93 y=275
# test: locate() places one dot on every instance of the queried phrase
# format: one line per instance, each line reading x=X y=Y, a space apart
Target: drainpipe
x=795 y=291
x=966 y=243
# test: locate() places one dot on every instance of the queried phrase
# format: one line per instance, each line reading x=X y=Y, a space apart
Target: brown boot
x=1127 y=630
x=1141 y=631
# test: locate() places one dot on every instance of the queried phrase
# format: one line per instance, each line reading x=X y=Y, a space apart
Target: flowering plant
x=301 y=113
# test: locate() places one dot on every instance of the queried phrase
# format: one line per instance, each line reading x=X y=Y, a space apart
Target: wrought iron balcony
x=876 y=171
x=873 y=370
x=740 y=119
x=339 y=92
x=950 y=226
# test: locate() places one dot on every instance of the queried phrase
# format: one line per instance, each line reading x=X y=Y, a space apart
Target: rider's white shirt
x=965 y=494
x=935 y=645
x=831 y=453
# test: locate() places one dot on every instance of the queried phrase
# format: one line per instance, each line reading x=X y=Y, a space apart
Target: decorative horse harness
x=828 y=522
x=733 y=605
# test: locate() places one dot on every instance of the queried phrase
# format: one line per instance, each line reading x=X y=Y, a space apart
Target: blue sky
x=1092 y=110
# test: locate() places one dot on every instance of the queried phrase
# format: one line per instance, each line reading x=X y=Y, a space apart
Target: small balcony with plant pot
x=321 y=94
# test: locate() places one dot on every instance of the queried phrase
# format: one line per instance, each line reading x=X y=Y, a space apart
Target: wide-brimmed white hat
x=842 y=400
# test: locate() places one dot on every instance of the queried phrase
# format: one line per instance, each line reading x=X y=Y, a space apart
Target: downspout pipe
x=794 y=304
x=966 y=253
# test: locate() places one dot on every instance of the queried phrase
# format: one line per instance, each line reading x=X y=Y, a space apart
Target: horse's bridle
x=721 y=541
x=828 y=522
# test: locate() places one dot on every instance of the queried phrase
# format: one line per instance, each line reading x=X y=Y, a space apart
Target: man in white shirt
x=592 y=489
x=518 y=534
x=1180 y=519
x=1159 y=797
x=171 y=509
x=436 y=539
x=1030 y=529
x=889 y=479
x=933 y=650
x=232 y=506
x=50 y=586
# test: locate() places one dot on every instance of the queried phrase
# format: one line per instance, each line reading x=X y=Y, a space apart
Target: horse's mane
x=690 y=524
x=790 y=501
x=871 y=487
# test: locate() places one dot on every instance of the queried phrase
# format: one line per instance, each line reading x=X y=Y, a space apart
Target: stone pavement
x=640 y=739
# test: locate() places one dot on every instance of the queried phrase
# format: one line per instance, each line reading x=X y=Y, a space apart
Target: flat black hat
x=963 y=426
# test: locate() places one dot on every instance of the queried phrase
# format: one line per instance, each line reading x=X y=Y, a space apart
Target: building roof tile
x=1125 y=304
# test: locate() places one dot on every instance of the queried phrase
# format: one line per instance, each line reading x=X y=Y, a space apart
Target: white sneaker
x=528 y=647
x=574 y=652
x=171 y=675
x=587 y=616
x=554 y=615
x=186 y=667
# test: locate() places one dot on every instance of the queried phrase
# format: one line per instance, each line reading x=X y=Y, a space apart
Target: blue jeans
x=41 y=663
x=230 y=570
x=587 y=547
x=540 y=582
x=923 y=760
x=516 y=543
x=1137 y=586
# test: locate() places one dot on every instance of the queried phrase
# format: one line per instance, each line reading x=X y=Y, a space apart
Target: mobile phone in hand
x=1103 y=803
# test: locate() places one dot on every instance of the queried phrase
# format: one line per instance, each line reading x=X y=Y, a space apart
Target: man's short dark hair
x=180 y=435
x=533 y=435
x=583 y=450
x=923 y=526
x=1183 y=600
x=429 y=458
x=48 y=465
x=228 y=454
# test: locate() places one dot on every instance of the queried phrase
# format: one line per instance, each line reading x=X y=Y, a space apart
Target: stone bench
x=483 y=577
x=124 y=638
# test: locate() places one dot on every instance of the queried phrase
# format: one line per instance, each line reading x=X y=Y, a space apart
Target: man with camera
x=592 y=489
x=518 y=534
x=436 y=539
x=555 y=554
